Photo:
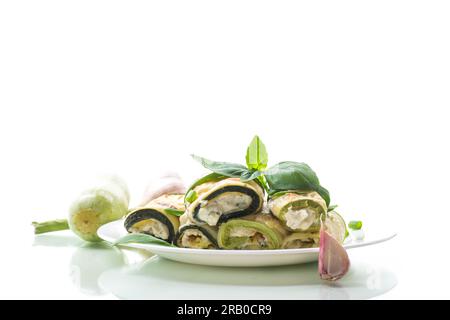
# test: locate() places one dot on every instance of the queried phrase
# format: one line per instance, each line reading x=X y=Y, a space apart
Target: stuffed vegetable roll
x=196 y=237
x=334 y=225
x=219 y=201
x=259 y=231
x=298 y=211
x=298 y=240
x=159 y=218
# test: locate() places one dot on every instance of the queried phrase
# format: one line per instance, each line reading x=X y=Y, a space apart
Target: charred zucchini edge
x=144 y=214
x=200 y=228
x=252 y=208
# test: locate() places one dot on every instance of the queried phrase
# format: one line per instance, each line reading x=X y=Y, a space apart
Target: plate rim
x=167 y=249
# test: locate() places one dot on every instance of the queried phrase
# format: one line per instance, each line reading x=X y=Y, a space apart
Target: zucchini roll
x=159 y=218
x=257 y=232
x=334 y=225
x=196 y=237
x=219 y=201
x=298 y=211
x=298 y=240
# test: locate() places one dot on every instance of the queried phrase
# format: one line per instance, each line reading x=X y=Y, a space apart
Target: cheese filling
x=153 y=227
x=302 y=243
x=228 y=202
x=251 y=237
x=300 y=219
x=193 y=238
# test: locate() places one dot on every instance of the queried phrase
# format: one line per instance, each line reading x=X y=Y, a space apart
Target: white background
x=357 y=89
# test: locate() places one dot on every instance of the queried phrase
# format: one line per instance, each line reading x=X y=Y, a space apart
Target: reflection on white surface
x=58 y=240
x=89 y=262
x=158 y=278
x=97 y=269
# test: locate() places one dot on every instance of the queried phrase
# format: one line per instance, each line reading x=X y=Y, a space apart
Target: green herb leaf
x=141 y=238
x=250 y=175
x=291 y=175
x=323 y=193
x=332 y=207
x=191 y=196
x=233 y=170
x=256 y=156
x=173 y=212
x=261 y=180
x=355 y=225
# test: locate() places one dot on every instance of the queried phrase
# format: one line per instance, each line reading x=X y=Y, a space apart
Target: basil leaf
x=191 y=197
x=233 y=170
x=323 y=193
x=355 y=225
x=250 y=175
x=291 y=175
x=261 y=180
x=142 y=238
x=173 y=212
x=332 y=207
x=256 y=156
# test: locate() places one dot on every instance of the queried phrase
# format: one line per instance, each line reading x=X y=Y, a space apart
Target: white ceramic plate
x=234 y=258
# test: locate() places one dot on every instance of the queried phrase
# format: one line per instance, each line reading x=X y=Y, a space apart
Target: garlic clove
x=166 y=184
x=333 y=258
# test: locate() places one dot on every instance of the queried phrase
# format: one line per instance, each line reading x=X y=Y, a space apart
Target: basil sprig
x=287 y=175
x=256 y=159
